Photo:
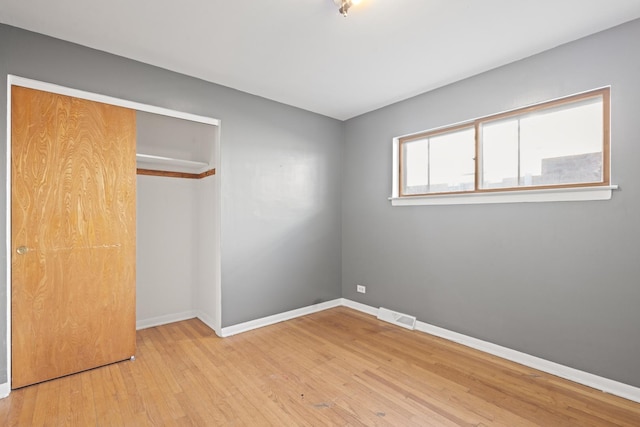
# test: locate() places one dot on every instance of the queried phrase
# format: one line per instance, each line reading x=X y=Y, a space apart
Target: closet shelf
x=168 y=163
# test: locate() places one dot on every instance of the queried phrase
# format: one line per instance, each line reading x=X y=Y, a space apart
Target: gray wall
x=556 y=280
x=280 y=174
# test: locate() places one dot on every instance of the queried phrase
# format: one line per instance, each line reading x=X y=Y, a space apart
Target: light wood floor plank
x=336 y=367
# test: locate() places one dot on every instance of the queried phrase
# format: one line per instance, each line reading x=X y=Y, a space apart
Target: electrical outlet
x=361 y=288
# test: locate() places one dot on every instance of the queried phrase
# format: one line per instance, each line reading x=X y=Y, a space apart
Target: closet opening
x=176 y=234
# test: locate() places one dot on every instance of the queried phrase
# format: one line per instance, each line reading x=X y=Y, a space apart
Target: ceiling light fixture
x=345 y=5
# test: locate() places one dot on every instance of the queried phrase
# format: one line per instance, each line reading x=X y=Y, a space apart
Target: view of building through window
x=562 y=145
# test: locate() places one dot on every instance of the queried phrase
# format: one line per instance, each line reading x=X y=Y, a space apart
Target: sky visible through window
x=450 y=157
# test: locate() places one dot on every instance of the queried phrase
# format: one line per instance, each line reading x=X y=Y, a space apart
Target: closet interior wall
x=176 y=235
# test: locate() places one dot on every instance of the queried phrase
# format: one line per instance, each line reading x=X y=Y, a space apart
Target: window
x=557 y=144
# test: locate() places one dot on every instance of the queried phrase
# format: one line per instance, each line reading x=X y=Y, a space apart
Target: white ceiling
x=303 y=53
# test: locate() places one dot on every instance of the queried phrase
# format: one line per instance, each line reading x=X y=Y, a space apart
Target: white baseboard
x=5 y=389
x=276 y=318
x=594 y=381
x=164 y=319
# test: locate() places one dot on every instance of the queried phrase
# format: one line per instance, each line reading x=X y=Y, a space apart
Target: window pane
x=562 y=145
x=499 y=154
x=559 y=145
x=451 y=162
x=415 y=166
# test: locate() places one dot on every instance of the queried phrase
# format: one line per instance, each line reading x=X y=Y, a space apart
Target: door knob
x=22 y=250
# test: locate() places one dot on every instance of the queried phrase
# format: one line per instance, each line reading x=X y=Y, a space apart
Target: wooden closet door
x=73 y=235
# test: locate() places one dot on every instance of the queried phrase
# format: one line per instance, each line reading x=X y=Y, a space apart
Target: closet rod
x=171 y=174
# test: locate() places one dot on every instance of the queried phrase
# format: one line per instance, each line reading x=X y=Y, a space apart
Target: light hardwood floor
x=336 y=367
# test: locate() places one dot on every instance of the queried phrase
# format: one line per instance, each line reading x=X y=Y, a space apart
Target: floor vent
x=396 y=318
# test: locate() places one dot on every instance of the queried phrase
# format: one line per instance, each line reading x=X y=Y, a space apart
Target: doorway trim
x=13 y=80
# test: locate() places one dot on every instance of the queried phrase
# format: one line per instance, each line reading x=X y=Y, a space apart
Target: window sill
x=525 y=196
